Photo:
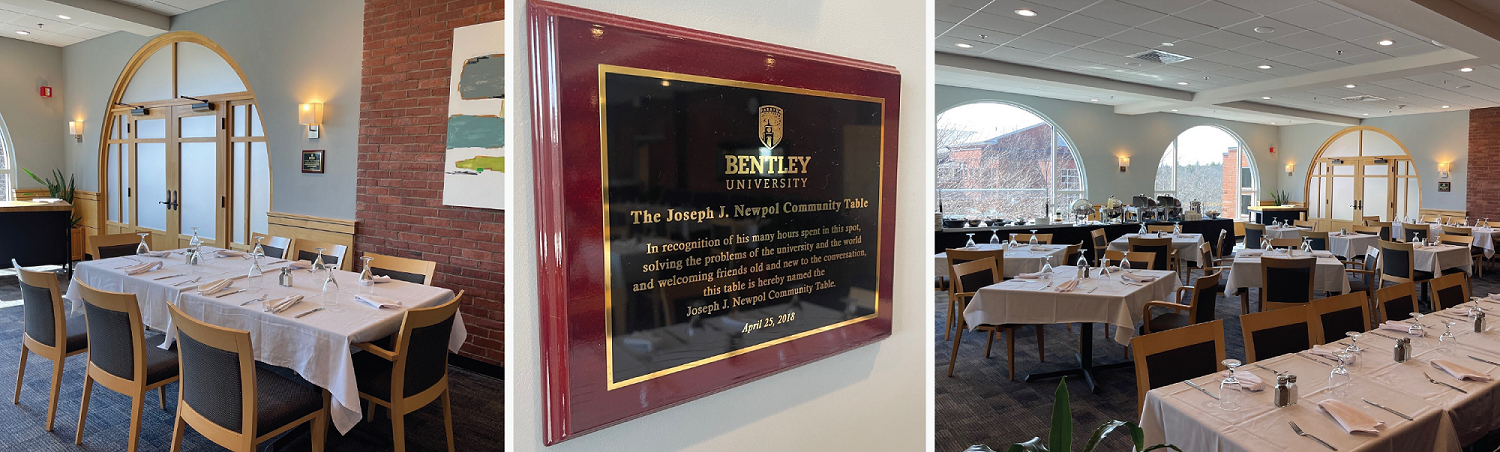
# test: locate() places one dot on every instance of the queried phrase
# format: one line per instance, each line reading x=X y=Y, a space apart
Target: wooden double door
x=1342 y=192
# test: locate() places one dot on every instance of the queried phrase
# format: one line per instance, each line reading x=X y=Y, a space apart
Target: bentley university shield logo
x=770 y=125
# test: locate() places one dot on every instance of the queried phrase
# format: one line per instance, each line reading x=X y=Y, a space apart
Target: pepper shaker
x=1283 y=394
x=1479 y=322
x=1403 y=349
x=1291 y=385
x=285 y=278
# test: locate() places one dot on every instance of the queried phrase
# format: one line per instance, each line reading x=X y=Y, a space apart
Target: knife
x=1200 y=388
x=1309 y=358
x=1486 y=361
x=298 y=316
x=222 y=295
x=1398 y=413
x=1382 y=335
x=170 y=276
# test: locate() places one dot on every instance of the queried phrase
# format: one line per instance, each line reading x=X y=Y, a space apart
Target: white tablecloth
x=1352 y=245
x=1185 y=244
x=317 y=346
x=1483 y=237
x=1444 y=419
x=1328 y=274
x=1435 y=259
x=1017 y=260
x=1278 y=232
x=1097 y=300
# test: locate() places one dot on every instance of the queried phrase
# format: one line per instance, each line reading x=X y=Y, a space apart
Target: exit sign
x=46 y=91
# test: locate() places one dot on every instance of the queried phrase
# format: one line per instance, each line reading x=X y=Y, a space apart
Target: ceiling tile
x=1013 y=54
x=1281 y=28
x=1225 y=40
x=1265 y=49
x=1141 y=38
x=1089 y=55
x=1165 y=6
x=1416 y=49
x=1341 y=51
x=1313 y=15
x=952 y=14
x=1061 y=36
x=1000 y=23
x=1367 y=58
x=1269 y=7
x=1306 y=40
x=1191 y=49
x=1201 y=65
x=1301 y=59
x=1038 y=45
x=1231 y=58
x=1120 y=13
x=1112 y=47
x=1353 y=29
x=1177 y=27
x=949 y=45
x=1217 y=14
x=1087 y=25
x=1044 y=14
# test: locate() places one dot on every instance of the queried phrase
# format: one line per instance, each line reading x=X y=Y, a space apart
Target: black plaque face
x=737 y=216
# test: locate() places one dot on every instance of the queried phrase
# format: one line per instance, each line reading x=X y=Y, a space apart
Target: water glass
x=1230 y=394
x=1047 y=267
x=143 y=249
x=1447 y=340
x=1354 y=341
x=331 y=292
x=1033 y=241
x=969 y=244
x=256 y=278
x=317 y=263
x=994 y=236
x=1339 y=380
x=367 y=279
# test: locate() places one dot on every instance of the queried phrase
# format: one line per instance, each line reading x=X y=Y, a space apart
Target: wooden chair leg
x=178 y=427
x=83 y=408
x=949 y=328
x=987 y=343
x=320 y=425
x=137 y=405
x=448 y=419
x=1010 y=353
x=57 y=368
x=958 y=338
x=21 y=373
x=398 y=431
x=1041 y=345
x=1244 y=301
x=161 y=396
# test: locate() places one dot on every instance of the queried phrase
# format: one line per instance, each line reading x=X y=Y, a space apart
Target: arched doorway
x=1211 y=165
x=183 y=147
x=1361 y=172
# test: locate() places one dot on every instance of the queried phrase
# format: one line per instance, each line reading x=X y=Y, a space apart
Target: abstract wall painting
x=474 y=170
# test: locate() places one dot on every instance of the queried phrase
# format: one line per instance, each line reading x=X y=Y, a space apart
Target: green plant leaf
x=1061 y=435
x=1100 y=433
x=1035 y=445
x=33 y=176
x=1137 y=436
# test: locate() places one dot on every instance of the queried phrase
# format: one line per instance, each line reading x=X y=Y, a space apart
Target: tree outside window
x=996 y=160
x=1207 y=164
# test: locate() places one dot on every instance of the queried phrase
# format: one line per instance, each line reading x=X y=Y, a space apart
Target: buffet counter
x=1068 y=234
x=35 y=233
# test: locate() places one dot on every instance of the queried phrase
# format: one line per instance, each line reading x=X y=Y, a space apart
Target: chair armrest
x=1367 y=272
x=372 y=348
x=1146 y=310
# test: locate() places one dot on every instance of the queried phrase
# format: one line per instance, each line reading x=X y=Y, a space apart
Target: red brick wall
x=1230 y=187
x=402 y=131
x=1484 y=163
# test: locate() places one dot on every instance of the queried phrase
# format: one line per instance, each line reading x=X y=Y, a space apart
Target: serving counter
x=1067 y=234
x=35 y=233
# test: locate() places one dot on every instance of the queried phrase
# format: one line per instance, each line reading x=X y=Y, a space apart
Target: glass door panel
x=199 y=182
x=151 y=185
x=1341 y=196
x=1376 y=199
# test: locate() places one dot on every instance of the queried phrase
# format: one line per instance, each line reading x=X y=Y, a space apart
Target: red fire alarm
x=1273 y=149
x=46 y=91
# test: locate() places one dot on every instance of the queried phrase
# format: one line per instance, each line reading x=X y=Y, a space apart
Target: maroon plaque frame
x=568 y=48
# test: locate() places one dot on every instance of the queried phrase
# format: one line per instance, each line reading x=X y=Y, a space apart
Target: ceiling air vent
x=1157 y=56
x=1362 y=98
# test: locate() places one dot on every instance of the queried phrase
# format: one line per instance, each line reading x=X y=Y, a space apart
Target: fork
x=262 y=298
x=1455 y=388
x=1299 y=431
x=190 y=281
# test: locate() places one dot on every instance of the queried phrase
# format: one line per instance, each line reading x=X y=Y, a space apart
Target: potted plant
x=1281 y=198
x=57 y=189
x=1060 y=438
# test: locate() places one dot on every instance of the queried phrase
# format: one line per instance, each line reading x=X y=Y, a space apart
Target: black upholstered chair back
x=42 y=305
x=305 y=255
x=958 y=256
x=273 y=252
x=1177 y=354
x=211 y=382
x=1101 y=243
x=116 y=338
x=1449 y=290
x=1419 y=231
x=1182 y=363
x=426 y=356
x=1396 y=261
x=1397 y=302
x=1318 y=243
x=1204 y=298
x=1253 y=236
x=108 y=251
x=1385 y=233
x=1163 y=251
x=1291 y=283
x=1280 y=340
x=414 y=278
x=1336 y=323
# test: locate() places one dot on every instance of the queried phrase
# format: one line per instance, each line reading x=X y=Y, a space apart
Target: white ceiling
x=1313 y=50
x=87 y=20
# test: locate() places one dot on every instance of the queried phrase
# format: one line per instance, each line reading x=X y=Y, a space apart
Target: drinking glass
x=367 y=279
x=1354 y=338
x=970 y=244
x=994 y=236
x=317 y=263
x=1447 y=340
x=258 y=249
x=1416 y=325
x=1047 y=267
x=1229 y=389
x=1339 y=379
x=142 y=249
x=1013 y=243
x=1474 y=310
x=195 y=242
x=256 y=278
x=1032 y=242
x=1124 y=264
x=1176 y=228
x=331 y=292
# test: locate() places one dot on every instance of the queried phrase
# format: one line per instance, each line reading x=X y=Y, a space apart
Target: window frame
x=1057 y=142
x=8 y=164
x=1246 y=161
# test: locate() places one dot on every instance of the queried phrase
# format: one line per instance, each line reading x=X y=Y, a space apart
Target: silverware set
x=1486 y=361
x=1309 y=358
x=1299 y=432
x=225 y=294
x=1455 y=388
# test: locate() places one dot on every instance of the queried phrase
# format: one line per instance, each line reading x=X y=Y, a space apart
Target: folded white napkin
x=1040 y=248
x=1248 y=381
x=299 y=264
x=213 y=287
x=377 y=301
x=1328 y=351
x=158 y=254
x=1137 y=278
x=377 y=279
x=142 y=268
x=1037 y=275
x=1397 y=325
x=1067 y=286
x=281 y=304
x=229 y=253
x=1459 y=372
x=1350 y=418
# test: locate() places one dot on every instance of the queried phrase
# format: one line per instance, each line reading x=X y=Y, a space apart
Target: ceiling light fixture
x=1367 y=114
x=1266 y=97
x=60 y=16
x=1351 y=85
x=1181 y=83
x=1174 y=109
x=1265 y=30
x=1167 y=44
x=1386 y=42
x=1026 y=12
x=1264 y=66
x=22 y=32
x=1093 y=100
x=964 y=45
x=1467 y=69
x=1445 y=106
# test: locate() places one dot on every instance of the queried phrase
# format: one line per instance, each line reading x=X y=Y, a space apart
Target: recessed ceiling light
x=1174 y=109
x=1093 y=100
x=1445 y=106
x=1264 y=66
x=1026 y=12
x=22 y=32
x=1467 y=69
x=1386 y=42
x=1181 y=83
x=1461 y=87
x=964 y=45
x=63 y=17
x=1351 y=85
x=1265 y=30
x=1167 y=44
x=1265 y=97
x=1367 y=114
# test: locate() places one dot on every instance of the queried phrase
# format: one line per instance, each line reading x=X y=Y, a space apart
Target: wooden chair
x=1383 y=229
x=1409 y=230
x=1368 y=218
x=1293 y=282
x=306 y=250
x=1101 y=243
x=275 y=247
x=1318 y=240
x=1165 y=255
x=410 y=270
x=115 y=245
x=1458 y=230
x=1158 y=228
x=1339 y=314
x=1276 y=333
x=1290 y=243
x=1448 y=291
x=49 y=332
x=232 y=401
x=1309 y=224
x=1239 y=230
x=1219 y=246
x=969 y=277
x=1476 y=254
x=414 y=372
x=1139 y=260
x=1206 y=261
x=119 y=358
x=1253 y=233
x=1398 y=264
x=1044 y=239
x=1396 y=302
x=1175 y=355
x=1200 y=307
x=1070 y=256
x=957 y=298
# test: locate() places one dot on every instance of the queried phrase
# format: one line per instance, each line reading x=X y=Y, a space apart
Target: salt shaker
x=1291 y=385
x=1283 y=394
x=1403 y=349
x=1479 y=321
x=285 y=278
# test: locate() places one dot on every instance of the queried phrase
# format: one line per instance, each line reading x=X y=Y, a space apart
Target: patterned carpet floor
x=478 y=407
x=980 y=405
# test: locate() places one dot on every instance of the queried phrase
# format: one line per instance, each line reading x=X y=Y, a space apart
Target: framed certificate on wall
x=710 y=211
x=312 y=161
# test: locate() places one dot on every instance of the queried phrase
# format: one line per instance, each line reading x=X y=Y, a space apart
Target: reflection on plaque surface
x=709 y=210
x=736 y=216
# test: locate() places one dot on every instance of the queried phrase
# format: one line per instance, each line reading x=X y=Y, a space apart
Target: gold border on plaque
x=609 y=337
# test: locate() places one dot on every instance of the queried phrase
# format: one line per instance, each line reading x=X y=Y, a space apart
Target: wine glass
x=331 y=292
x=367 y=279
x=1416 y=329
x=994 y=236
x=317 y=263
x=1033 y=241
x=969 y=244
x=1047 y=267
x=1013 y=243
x=1354 y=338
x=195 y=242
x=1475 y=310
x=258 y=249
x=1447 y=340
x=1339 y=379
x=1124 y=264
x=256 y=278
x=1176 y=228
x=143 y=249
x=1229 y=389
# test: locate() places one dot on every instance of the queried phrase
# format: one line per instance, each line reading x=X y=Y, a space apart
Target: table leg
x=1086 y=367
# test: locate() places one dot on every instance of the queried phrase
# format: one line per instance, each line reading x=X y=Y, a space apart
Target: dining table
x=1328 y=273
x=1350 y=244
x=1436 y=258
x=1483 y=237
x=1285 y=232
x=1020 y=259
x=1186 y=244
x=312 y=337
x=1111 y=299
x=1422 y=407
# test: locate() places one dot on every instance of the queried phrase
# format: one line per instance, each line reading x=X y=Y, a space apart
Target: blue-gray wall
x=37 y=125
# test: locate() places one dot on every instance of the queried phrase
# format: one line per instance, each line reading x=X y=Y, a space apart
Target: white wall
x=1100 y=135
x=871 y=398
x=36 y=124
x=1430 y=137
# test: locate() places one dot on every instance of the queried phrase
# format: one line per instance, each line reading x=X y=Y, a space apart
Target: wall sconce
x=311 y=115
x=1289 y=169
x=1443 y=170
x=1124 y=163
x=75 y=128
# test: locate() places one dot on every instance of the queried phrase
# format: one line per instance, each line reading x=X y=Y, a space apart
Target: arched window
x=1000 y=160
x=7 y=165
x=1210 y=165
